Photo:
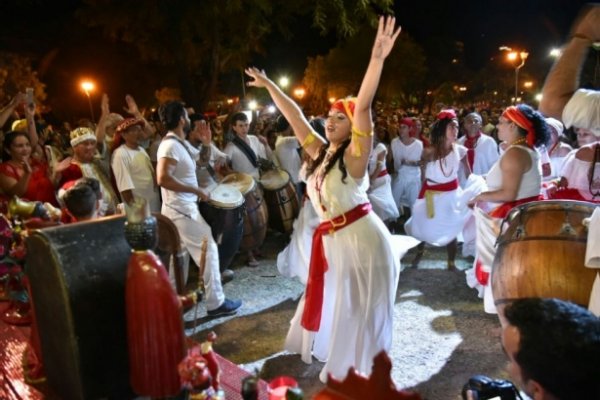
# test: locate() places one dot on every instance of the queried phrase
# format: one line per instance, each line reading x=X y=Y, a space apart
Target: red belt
x=383 y=172
x=313 y=299
x=440 y=187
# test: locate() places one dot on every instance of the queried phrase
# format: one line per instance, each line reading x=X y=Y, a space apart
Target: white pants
x=192 y=232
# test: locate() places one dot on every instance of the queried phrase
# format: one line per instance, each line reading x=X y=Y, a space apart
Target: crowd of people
x=362 y=174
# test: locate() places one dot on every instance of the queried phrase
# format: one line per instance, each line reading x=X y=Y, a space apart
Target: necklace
x=519 y=141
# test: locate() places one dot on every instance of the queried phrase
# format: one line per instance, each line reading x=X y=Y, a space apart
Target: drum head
x=226 y=196
x=274 y=179
x=243 y=182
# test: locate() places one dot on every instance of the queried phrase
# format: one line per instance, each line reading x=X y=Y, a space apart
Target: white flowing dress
x=360 y=283
x=380 y=191
x=450 y=208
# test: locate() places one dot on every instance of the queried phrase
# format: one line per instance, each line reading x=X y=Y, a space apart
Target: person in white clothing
x=514 y=180
x=346 y=314
x=131 y=166
x=380 y=187
x=287 y=153
x=246 y=151
x=406 y=153
x=176 y=174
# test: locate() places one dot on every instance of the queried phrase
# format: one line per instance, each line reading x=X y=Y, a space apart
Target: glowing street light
x=88 y=87
x=299 y=93
x=516 y=56
x=555 y=53
x=284 y=82
x=252 y=105
x=528 y=84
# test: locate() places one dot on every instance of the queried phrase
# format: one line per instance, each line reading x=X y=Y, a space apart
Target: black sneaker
x=226 y=276
x=229 y=307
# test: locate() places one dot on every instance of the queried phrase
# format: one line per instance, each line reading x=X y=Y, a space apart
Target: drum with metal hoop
x=256 y=214
x=224 y=212
x=541 y=250
x=281 y=199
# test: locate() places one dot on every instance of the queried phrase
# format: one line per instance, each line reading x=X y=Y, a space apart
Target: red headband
x=512 y=113
x=449 y=113
x=345 y=106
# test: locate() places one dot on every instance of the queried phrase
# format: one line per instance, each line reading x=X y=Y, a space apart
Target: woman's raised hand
x=386 y=37
x=259 y=76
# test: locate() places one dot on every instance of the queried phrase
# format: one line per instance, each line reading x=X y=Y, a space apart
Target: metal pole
x=516 y=84
x=91 y=107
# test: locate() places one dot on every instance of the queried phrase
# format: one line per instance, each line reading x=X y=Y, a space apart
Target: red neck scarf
x=470 y=144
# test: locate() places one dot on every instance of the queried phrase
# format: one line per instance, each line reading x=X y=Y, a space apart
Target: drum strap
x=246 y=149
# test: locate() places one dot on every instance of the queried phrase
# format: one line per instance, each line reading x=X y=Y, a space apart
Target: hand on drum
x=203 y=195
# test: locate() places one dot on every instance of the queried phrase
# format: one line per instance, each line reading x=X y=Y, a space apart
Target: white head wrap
x=583 y=111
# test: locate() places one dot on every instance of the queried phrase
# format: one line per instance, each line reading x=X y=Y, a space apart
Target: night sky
x=36 y=27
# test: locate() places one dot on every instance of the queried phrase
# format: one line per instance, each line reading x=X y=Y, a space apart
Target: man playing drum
x=245 y=151
x=176 y=174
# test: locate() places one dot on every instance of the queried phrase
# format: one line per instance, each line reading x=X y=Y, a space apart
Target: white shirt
x=185 y=172
x=133 y=171
x=239 y=161
x=286 y=151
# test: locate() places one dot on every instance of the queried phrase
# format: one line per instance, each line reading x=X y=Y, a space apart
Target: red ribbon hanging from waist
x=383 y=172
x=313 y=298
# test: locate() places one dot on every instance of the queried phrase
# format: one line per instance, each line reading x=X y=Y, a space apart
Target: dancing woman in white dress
x=345 y=316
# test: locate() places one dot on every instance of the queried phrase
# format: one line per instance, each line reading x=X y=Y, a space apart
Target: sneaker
x=226 y=276
x=229 y=307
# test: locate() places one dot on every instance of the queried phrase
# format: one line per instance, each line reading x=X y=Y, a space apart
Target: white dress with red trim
x=360 y=284
x=577 y=173
x=440 y=213
x=407 y=179
x=380 y=191
x=488 y=226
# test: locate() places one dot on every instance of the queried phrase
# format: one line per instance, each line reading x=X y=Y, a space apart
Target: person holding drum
x=176 y=174
x=513 y=180
x=345 y=316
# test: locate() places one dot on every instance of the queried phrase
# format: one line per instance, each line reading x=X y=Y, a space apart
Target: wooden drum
x=281 y=199
x=225 y=214
x=541 y=252
x=256 y=215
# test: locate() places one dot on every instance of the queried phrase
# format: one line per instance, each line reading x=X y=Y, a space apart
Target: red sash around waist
x=383 y=172
x=502 y=210
x=440 y=187
x=313 y=298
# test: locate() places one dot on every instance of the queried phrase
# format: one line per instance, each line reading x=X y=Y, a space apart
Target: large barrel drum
x=256 y=215
x=281 y=199
x=541 y=250
x=225 y=215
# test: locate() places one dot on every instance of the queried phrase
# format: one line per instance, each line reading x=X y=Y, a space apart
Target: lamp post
x=87 y=87
x=519 y=57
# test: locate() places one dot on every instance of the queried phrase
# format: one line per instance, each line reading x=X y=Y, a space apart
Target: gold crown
x=81 y=134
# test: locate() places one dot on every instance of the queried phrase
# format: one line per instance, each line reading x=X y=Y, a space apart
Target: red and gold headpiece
x=513 y=114
x=345 y=106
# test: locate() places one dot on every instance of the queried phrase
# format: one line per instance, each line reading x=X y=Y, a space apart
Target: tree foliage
x=17 y=74
x=340 y=72
x=201 y=40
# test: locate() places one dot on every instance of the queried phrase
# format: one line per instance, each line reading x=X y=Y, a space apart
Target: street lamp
x=88 y=87
x=516 y=56
x=284 y=81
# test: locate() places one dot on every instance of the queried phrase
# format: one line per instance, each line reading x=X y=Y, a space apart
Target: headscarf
x=513 y=114
x=583 y=111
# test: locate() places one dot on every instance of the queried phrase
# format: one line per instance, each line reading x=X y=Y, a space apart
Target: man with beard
x=176 y=174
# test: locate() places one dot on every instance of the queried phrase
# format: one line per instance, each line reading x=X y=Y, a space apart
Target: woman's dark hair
x=339 y=154
x=541 y=129
x=9 y=138
x=170 y=114
x=437 y=135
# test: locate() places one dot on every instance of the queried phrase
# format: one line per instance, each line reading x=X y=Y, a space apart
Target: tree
x=201 y=40
x=340 y=72
x=16 y=74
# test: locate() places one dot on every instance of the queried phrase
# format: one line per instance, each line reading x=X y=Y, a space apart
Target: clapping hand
x=132 y=107
x=386 y=37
